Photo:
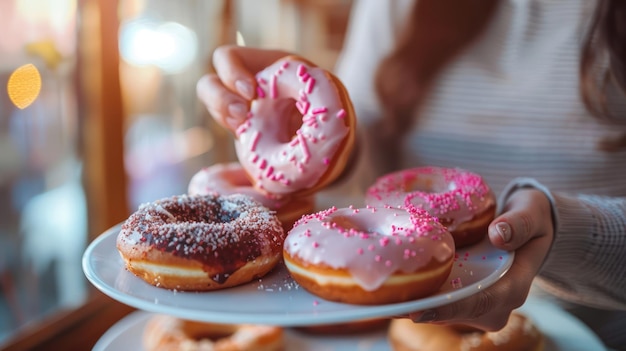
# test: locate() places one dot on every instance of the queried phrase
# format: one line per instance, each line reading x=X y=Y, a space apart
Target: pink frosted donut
x=230 y=178
x=282 y=159
x=461 y=200
x=369 y=255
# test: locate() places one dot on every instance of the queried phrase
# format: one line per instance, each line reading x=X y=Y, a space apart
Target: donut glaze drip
x=453 y=195
x=209 y=229
x=231 y=178
x=282 y=164
x=370 y=243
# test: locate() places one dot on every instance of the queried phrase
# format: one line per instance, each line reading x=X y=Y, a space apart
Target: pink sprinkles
x=260 y=92
x=422 y=225
x=273 y=88
x=255 y=140
x=297 y=152
x=451 y=194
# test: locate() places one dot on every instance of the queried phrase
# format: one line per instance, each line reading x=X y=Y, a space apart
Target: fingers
x=476 y=311
x=228 y=109
x=228 y=92
x=233 y=73
x=526 y=215
x=236 y=67
x=489 y=309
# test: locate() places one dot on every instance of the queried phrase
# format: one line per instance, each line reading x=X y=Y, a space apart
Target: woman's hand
x=227 y=93
x=525 y=226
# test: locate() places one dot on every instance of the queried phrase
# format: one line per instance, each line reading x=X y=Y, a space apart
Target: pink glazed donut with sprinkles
x=230 y=178
x=281 y=158
x=462 y=200
x=369 y=256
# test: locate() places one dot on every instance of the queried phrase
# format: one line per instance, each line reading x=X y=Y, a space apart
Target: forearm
x=588 y=256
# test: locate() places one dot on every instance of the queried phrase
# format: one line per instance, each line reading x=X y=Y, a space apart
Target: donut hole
x=181 y=214
x=199 y=331
x=219 y=214
x=223 y=216
x=346 y=223
x=290 y=117
x=366 y=224
x=429 y=185
x=213 y=336
x=238 y=179
x=352 y=222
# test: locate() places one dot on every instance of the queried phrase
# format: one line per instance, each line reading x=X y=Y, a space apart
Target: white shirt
x=510 y=107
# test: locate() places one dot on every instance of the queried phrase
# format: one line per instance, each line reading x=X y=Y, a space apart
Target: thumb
x=510 y=232
x=519 y=223
x=236 y=66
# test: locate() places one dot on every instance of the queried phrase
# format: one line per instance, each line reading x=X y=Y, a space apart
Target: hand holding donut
x=298 y=130
x=525 y=226
x=228 y=92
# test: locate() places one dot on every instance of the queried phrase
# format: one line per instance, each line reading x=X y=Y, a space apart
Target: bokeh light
x=170 y=46
x=24 y=85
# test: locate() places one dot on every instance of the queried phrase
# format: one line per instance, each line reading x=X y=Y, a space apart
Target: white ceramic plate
x=276 y=298
x=127 y=333
x=562 y=333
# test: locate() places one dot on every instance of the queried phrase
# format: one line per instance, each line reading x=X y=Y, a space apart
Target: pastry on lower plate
x=519 y=334
x=168 y=333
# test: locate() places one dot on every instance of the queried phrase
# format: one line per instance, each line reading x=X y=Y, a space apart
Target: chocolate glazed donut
x=203 y=242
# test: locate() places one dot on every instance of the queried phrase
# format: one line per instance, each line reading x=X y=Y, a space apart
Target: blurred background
x=98 y=114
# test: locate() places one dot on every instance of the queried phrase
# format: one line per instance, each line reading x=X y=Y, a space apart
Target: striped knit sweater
x=509 y=107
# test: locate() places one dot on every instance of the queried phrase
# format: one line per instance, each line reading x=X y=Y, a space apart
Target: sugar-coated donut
x=169 y=333
x=199 y=243
x=462 y=200
x=519 y=334
x=230 y=178
x=281 y=158
x=369 y=255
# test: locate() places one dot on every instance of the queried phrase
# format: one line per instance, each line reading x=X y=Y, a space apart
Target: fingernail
x=237 y=110
x=245 y=88
x=426 y=316
x=504 y=231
